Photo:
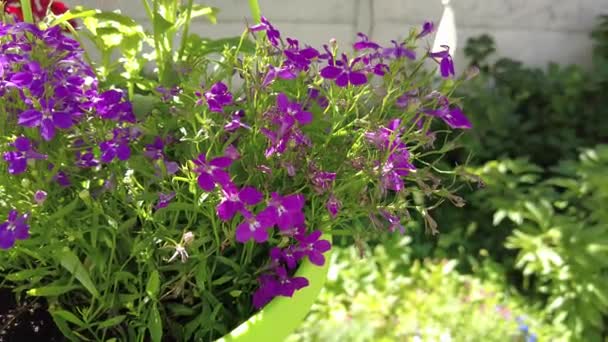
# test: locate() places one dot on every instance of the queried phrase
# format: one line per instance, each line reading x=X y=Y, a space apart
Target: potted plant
x=175 y=203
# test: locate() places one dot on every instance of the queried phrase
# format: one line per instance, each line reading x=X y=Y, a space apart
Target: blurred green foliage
x=534 y=232
x=388 y=297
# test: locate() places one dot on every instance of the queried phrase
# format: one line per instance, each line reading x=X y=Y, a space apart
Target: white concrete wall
x=535 y=31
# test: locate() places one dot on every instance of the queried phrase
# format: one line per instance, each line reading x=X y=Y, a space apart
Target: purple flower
x=236 y=122
x=394 y=221
x=277 y=284
x=453 y=116
x=164 y=200
x=274 y=36
x=342 y=72
x=254 y=227
x=232 y=152
x=427 y=28
x=46 y=120
x=212 y=172
x=17 y=160
x=110 y=105
x=408 y=97
x=40 y=197
x=285 y=255
x=62 y=179
x=13 y=229
x=235 y=200
x=286 y=211
x=393 y=171
x=333 y=205
x=446 y=64
x=365 y=43
x=218 y=97
x=321 y=180
x=291 y=111
x=86 y=159
x=314 y=94
x=118 y=146
x=398 y=51
x=313 y=248
x=156 y=150
x=299 y=59
x=285 y=72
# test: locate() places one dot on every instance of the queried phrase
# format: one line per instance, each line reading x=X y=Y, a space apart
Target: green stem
x=26 y=8
x=186 y=30
x=254 y=6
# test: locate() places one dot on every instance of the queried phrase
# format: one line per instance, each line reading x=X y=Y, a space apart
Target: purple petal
x=304 y=118
x=30 y=118
x=22 y=79
x=322 y=246
x=260 y=235
x=243 y=233
x=447 y=67
x=221 y=177
x=282 y=101
x=222 y=162
x=316 y=258
x=331 y=72
x=206 y=182
x=123 y=152
x=456 y=119
x=22 y=231
x=47 y=129
x=293 y=202
x=357 y=78
x=342 y=80
x=17 y=164
x=7 y=238
x=227 y=209
x=250 y=195
x=108 y=155
x=23 y=144
x=62 y=120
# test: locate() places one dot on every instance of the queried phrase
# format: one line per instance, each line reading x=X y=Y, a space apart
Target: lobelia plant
x=180 y=206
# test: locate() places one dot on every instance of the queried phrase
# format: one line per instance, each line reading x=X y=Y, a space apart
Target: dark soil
x=26 y=321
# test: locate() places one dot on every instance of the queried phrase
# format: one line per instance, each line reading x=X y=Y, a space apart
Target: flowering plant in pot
x=176 y=203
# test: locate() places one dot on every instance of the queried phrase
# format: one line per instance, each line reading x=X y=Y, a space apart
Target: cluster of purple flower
x=284 y=212
x=52 y=94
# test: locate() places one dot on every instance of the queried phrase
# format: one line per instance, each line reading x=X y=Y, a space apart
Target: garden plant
x=174 y=191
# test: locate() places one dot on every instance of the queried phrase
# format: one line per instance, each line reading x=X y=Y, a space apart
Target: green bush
x=545 y=115
x=389 y=298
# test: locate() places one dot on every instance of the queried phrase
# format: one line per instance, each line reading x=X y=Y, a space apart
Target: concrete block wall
x=535 y=31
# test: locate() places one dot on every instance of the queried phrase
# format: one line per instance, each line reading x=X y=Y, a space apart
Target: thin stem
x=26 y=8
x=254 y=6
x=186 y=30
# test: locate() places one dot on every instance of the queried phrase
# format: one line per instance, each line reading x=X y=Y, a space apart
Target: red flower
x=39 y=9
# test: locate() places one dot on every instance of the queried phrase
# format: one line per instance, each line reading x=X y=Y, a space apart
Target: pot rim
x=282 y=316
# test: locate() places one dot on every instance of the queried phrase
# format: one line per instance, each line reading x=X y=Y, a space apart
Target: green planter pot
x=281 y=317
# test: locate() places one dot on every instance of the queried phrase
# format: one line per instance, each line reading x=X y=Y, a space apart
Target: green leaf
x=112 y=322
x=64 y=328
x=68 y=316
x=50 y=291
x=64 y=211
x=155 y=325
x=27 y=274
x=71 y=14
x=72 y=264
x=153 y=285
x=201 y=10
x=222 y=280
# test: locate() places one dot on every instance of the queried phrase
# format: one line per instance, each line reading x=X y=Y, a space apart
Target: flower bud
x=188 y=238
x=40 y=196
